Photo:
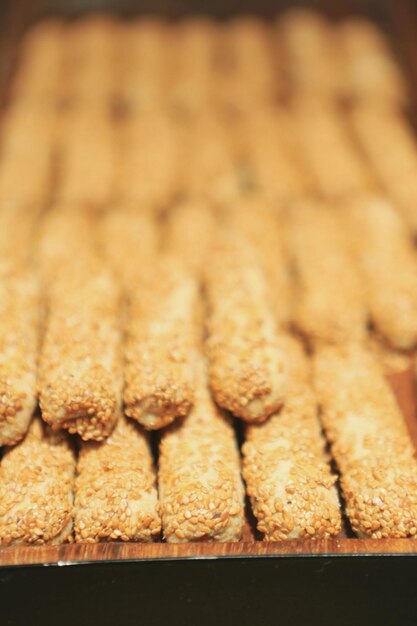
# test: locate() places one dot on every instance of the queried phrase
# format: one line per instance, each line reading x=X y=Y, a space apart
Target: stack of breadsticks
x=206 y=238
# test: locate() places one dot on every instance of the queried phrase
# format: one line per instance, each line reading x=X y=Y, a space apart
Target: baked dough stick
x=390 y=145
x=311 y=48
x=37 y=79
x=200 y=487
x=27 y=146
x=90 y=59
x=251 y=79
x=190 y=228
x=389 y=263
x=80 y=366
x=246 y=363
x=147 y=167
x=18 y=225
x=370 y=71
x=327 y=308
x=142 y=77
x=212 y=168
x=19 y=343
x=269 y=150
x=192 y=74
x=337 y=167
x=369 y=442
x=285 y=467
x=115 y=492
x=129 y=238
x=256 y=219
x=87 y=157
x=36 y=489
x=160 y=340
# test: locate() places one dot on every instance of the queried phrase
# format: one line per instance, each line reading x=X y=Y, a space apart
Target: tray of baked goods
x=208 y=318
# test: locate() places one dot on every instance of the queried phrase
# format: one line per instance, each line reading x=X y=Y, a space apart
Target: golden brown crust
x=36 y=489
x=160 y=341
x=201 y=491
x=370 y=70
x=285 y=467
x=370 y=443
x=389 y=262
x=115 y=492
x=246 y=364
x=329 y=301
x=337 y=167
x=390 y=145
x=19 y=344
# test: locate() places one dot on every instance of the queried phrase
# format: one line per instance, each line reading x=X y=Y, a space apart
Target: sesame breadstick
x=326 y=308
x=337 y=167
x=285 y=468
x=27 y=146
x=189 y=232
x=246 y=363
x=251 y=80
x=389 y=262
x=147 y=169
x=313 y=58
x=90 y=43
x=130 y=240
x=160 y=337
x=19 y=344
x=87 y=157
x=200 y=488
x=142 y=84
x=256 y=219
x=390 y=145
x=80 y=365
x=270 y=154
x=370 y=70
x=193 y=78
x=115 y=492
x=212 y=171
x=36 y=489
x=38 y=76
x=369 y=441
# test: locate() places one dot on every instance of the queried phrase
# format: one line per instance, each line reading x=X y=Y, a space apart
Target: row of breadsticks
x=237 y=64
x=256 y=370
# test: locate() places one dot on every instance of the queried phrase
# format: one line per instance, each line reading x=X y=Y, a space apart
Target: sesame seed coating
x=147 y=171
x=246 y=364
x=36 y=489
x=326 y=308
x=369 y=441
x=371 y=73
x=159 y=346
x=87 y=157
x=200 y=488
x=115 y=493
x=19 y=344
x=285 y=467
x=189 y=232
x=389 y=262
x=80 y=365
x=312 y=54
x=390 y=145
x=337 y=167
